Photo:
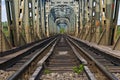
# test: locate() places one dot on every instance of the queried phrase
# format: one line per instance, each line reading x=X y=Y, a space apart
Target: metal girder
x=30 y=18
x=86 y=19
x=10 y=9
x=95 y=22
x=107 y=21
x=86 y=26
x=0 y=30
x=4 y=43
x=43 y=17
x=92 y=20
x=115 y=18
x=23 y=21
x=98 y=20
x=19 y=22
x=15 y=14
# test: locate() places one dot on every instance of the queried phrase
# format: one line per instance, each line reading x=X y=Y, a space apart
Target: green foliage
x=5 y=28
x=46 y=71
x=78 y=69
x=118 y=29
x=4 y=24
x=62 y=30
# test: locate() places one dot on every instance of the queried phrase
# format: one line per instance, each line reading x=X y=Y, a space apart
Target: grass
x=78 y=69
x=62 y=30
x=5 y=29
x=118 y=31
x=46 y=71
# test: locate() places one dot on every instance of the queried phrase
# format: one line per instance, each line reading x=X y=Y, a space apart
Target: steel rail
x=40 y=64
x=84 y=62
x=13 y=60
x=14 y=50
x=101 y=67
x=19 y=73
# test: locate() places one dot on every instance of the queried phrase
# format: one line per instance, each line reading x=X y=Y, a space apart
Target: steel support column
x=102 y=39
x=1 y=47
x=115 y=18
x=10 y=9
x=86 y=27
x=109 y=20
x=82 y=17
x=26 y=22
x=97 y=20
x=36 y=21
x=88 y=37
x=42 y=6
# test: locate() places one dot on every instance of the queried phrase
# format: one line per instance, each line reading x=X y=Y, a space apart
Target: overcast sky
x=4 y=18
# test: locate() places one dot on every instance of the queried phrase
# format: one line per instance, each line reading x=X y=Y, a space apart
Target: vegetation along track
x=107 y=64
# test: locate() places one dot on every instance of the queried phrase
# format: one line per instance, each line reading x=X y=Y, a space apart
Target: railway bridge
x=60 y=39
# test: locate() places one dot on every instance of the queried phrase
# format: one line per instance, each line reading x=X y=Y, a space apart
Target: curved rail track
x=57 y=58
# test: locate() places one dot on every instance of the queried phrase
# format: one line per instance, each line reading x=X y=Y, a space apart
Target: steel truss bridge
x=40 y=26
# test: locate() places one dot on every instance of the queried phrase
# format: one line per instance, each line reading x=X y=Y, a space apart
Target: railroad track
x=13 y=63
x=57 y=63
x=107 y=62
x=28 y=68
x=57 y=59
x=60 y=62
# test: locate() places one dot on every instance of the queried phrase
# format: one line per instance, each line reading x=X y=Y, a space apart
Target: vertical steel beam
x=86 y=27
x=97 y=20
x=26 y=22
x=76 y=9
x=19 y=21
x=115 y=18
x=40 y=17
x=1 y=38
x=102 y=39
x=93 y=28
x=36 y=20
x=79 y=4
x=31 y=25
x=109 y=17
x=88 y=37
x=42 y=6
x=82 y=18
x=81 y=25
x=1 y=48
x=47 y=11
x=107 y=20
x=4 y=43
x=90 y=28
x=10 y=9
x=15 y=14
